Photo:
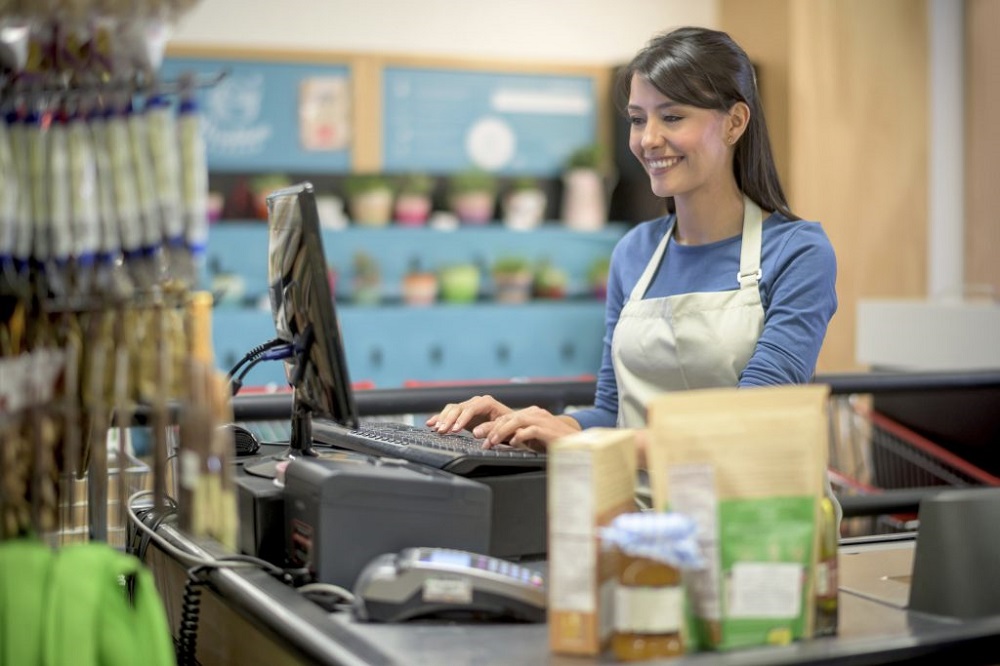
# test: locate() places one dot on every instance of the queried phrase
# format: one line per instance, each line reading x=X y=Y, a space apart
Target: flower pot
x=473 y=207
x=584 y=206
x=599 y=287
x=460 y=283
x=524 y=209
x=367 y=291
x=412 y=210
x=512 y=287
x=551 y=282
x=420 y=288
x=373 y=208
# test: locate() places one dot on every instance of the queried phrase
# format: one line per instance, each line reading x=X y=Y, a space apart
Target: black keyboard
x=458 y=453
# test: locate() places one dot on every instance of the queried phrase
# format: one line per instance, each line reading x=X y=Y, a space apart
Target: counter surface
x=875 y=626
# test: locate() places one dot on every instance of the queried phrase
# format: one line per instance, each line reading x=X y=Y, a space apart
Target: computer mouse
x=244 y=440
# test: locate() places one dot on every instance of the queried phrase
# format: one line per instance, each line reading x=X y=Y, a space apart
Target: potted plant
x=584 y=202
x=263 y=185
x=369 y=198
x=512 y=279
x=472 y=195
x=367 y=279
x=413 y=199
x=420 y=287
x=597 y=277
x=550 y=281
x=459 y=283
x=524 y=204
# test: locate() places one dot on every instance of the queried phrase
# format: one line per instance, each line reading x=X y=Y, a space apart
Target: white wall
x=572 y=31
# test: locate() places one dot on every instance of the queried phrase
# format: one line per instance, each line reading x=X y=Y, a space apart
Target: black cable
x=186 y=644
x=145 y=539
x=253 y=353
x=276 y=352
x=139 y=540
x=237 y=383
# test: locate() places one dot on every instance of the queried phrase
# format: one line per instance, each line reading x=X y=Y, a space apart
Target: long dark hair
x=707 y=69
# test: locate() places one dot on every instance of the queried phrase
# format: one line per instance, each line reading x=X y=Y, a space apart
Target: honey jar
x=652 y=550
x=649 y=610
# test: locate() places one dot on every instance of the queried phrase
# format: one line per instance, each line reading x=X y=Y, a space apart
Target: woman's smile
x=660 y=165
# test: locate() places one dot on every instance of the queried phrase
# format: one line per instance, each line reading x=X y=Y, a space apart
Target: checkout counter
x=248 y=616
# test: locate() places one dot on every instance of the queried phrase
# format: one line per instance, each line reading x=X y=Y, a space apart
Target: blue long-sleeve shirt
x=797 y=289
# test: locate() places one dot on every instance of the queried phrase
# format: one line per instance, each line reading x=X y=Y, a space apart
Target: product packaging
x=591 y=479
x=748 y=465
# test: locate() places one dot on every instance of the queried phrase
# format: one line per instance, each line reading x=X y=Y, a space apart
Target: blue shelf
x=392 y=343
x=241 y=247
x=389 y=346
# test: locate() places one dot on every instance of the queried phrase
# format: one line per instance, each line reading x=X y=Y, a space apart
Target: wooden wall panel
x=859 y=148
x=982 y=148
x=761 y=28
x=855 y=133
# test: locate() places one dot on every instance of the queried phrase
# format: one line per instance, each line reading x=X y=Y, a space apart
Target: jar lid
x=669 y=538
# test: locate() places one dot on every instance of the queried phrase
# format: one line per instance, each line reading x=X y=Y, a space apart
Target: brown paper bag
x=749 y=466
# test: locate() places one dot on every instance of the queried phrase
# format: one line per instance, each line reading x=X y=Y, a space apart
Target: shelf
x=390 y=342
x=241 y=247
x=390 y=345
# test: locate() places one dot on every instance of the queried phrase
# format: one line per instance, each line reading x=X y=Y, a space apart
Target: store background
x=878 y=111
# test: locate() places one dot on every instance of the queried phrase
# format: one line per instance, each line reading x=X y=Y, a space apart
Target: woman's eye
x=671 y=119
x=636 y=120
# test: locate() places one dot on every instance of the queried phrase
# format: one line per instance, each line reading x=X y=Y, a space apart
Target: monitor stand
x=299 y=443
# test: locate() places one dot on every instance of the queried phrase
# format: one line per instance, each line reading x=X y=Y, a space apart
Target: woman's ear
x=737 y=121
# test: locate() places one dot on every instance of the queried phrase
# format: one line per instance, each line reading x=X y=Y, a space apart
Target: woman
x=732 y=289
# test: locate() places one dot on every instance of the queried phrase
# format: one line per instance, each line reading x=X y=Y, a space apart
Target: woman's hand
x=530 y=428
x=473 y=412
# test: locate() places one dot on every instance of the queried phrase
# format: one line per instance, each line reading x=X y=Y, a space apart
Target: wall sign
x=447 y=120
x=272 y=117
x=309 y=114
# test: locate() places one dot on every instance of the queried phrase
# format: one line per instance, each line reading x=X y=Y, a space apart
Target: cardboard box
x=591 y=480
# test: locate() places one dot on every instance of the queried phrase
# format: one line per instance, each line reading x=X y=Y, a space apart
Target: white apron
x=687 y=341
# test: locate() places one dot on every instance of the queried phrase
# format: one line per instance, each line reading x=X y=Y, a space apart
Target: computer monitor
x=305 y=316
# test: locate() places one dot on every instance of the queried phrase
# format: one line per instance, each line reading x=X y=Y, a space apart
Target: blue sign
x=515 y=124
x=272 y=117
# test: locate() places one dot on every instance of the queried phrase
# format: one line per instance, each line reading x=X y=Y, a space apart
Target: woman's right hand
x=468 y=414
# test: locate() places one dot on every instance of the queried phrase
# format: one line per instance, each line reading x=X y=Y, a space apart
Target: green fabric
x=89 y=619
x=70 y=606
x=24 y=571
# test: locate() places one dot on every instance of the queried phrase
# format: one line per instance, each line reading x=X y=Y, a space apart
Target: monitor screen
x=302 y=306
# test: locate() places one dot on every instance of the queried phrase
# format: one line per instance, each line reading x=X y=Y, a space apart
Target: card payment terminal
x=447 y=583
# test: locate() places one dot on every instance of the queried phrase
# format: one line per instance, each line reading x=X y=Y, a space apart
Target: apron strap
x=654 y=263
x=753 y=223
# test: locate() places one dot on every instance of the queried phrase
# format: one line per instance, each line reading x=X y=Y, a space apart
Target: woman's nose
x=651 y=136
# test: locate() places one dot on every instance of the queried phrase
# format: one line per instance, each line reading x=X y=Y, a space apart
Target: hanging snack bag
x=748 y=465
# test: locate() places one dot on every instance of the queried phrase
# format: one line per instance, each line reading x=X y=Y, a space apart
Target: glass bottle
x=826 y=583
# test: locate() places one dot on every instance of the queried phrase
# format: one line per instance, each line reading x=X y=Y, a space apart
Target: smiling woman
x=751 y=287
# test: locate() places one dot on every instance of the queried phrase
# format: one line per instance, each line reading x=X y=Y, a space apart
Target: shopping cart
x=872 y=453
